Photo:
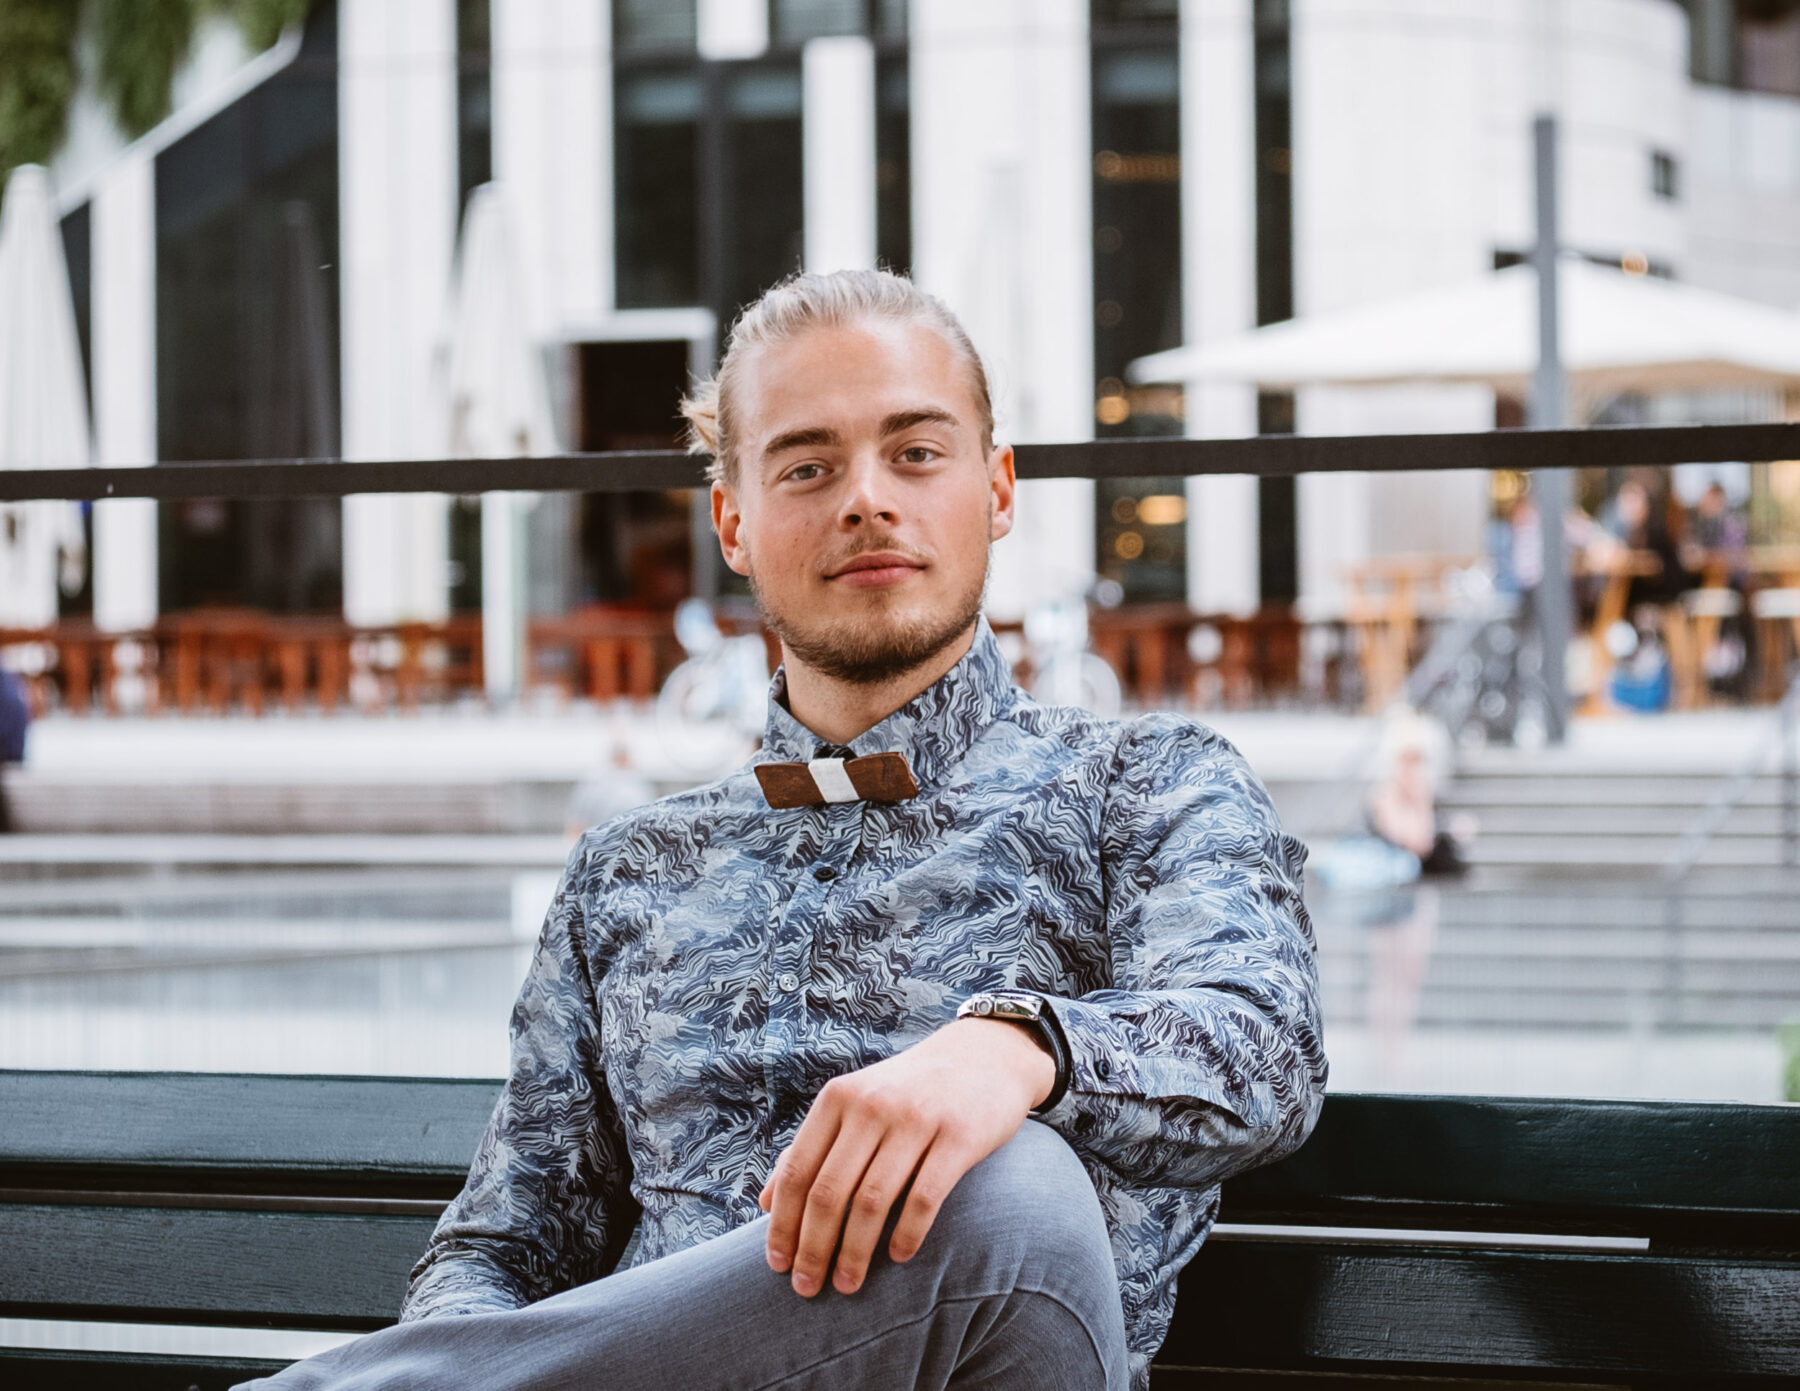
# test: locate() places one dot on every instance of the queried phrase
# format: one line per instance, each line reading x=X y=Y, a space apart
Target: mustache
x=868 y=547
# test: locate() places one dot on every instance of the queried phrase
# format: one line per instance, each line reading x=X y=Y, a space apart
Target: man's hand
x=925 y=1117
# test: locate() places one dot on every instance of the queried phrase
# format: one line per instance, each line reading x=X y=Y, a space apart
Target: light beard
x=867 y=651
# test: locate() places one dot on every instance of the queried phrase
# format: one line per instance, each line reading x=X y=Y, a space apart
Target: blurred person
x=978 y=1000
x=15 y=720
x=1402 y=807
x=1718 y=534
x=1716 y=551
x=1638 y=524
x=606 y=793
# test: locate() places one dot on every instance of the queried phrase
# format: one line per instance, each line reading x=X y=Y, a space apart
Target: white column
x=1218 y=271
x=1003 y=231
x=553 y=152
x=397 y=228
x=838 y=125
x=124 y=364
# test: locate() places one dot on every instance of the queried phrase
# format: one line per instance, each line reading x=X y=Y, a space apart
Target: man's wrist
x=1024 y=1053
x=1030 y=1013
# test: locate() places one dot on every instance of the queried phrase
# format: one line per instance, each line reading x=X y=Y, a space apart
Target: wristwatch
x=1032 y=1012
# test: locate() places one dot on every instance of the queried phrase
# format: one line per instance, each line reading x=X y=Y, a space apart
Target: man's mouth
x=873 y=569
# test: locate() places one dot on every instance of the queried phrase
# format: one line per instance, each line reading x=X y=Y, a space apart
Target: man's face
x=864 y=502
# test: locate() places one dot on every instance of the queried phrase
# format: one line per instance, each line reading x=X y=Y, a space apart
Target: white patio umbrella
x=499 y=408
x=43 y=400
x=1620 y=332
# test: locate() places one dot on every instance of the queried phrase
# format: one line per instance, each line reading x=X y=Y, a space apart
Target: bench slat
x=1316 y=1307
x=179 y=1265
x=1616 y=1162
x=1629 y=1166
x=337 y=1132
x=30 y=1370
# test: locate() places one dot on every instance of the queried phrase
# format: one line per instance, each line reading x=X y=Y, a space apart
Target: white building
x=267 y=273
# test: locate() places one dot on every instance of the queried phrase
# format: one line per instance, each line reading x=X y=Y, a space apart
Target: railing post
x=1554 y=600
x=1790 y=771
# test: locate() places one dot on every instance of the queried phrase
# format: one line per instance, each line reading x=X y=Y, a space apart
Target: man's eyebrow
x=807 y=437
x=923 y=415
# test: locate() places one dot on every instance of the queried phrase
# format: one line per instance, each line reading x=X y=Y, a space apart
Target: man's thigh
x=1014 y=1286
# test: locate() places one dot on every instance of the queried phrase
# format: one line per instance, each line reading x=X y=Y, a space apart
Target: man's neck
x=837 y=711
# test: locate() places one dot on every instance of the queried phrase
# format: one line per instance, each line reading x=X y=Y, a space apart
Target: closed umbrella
x=1620 y=332
x=43 y=400
x=499 y=408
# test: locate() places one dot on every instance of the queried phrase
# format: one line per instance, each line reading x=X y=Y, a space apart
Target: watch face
x=998 y=1005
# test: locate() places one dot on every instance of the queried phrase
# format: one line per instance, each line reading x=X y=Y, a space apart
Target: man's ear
x=728 y=521
x=1002 y=484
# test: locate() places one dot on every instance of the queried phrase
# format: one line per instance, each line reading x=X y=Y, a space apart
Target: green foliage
x=1790 y=1057
x=141 y=43
x=37 y=78
x=263 y=20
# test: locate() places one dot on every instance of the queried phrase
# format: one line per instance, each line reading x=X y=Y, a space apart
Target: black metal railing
x=1264 y=455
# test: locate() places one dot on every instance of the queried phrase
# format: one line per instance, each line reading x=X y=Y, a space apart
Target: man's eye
x=918 y=454
x=804 y=473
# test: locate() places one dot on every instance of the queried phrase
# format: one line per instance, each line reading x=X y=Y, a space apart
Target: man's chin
x=880 y=643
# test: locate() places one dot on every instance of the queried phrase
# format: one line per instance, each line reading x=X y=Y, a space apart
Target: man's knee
x=1035 y=1191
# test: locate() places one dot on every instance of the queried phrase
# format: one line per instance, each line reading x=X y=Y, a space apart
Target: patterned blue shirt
x=709 y=964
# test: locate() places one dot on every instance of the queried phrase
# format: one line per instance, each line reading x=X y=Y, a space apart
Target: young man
x=977 y=1000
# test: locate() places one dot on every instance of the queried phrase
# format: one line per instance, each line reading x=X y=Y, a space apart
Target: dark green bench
x=1411 y=1237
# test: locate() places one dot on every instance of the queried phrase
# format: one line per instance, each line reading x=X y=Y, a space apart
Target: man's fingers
x=882 y=1184
x=785 y=1193
x=942 y=1170
x=822 y=1214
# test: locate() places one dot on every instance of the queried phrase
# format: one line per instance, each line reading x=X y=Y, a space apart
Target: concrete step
x=1648 y=789
x=25 y=857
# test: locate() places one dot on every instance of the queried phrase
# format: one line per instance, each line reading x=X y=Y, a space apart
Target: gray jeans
x=1013 y=1288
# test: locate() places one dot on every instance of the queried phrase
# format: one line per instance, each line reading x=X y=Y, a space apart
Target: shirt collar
x=934 y=729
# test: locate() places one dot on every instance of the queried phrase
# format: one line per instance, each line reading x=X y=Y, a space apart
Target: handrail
x=1261 y=455
x=1784 y=726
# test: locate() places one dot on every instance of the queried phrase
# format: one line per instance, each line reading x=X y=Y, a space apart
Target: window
x=247 y=332
x=759 y=191
x=796 y=21
x=1278 y=545
x=893 y=163
x=1662 y=175
x=655 y=25
x=1158 y=15
x=1753 y=44
x=1142 y=536
x=474 y=99
x=656 y=162
x=709 y=191
x=1768 y=47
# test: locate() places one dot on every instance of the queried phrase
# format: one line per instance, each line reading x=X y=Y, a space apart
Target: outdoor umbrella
x=499 y=409
x=43 y=400
x=1620 y=332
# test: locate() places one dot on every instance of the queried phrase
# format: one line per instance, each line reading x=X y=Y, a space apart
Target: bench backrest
x=1608 y=1238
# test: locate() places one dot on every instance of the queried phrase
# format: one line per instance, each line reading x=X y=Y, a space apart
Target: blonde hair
x=806 y=301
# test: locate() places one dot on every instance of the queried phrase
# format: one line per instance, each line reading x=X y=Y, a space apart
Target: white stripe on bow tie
x=832 y=781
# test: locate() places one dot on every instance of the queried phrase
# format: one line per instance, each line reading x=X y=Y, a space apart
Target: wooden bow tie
x=878 y=777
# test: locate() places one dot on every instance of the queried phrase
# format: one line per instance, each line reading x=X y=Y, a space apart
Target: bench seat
x=1449 y=1238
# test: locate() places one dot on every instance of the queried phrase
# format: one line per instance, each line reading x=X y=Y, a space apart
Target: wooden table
x=606 y=652
x=1383 y=613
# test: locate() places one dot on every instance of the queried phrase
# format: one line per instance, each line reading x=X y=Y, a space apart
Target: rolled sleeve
x=1206 y=1057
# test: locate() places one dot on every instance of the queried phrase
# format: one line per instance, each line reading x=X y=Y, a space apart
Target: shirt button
x=788 y=981
x=824 y=874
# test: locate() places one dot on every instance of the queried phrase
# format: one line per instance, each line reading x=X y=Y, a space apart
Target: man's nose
x=869 y=493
